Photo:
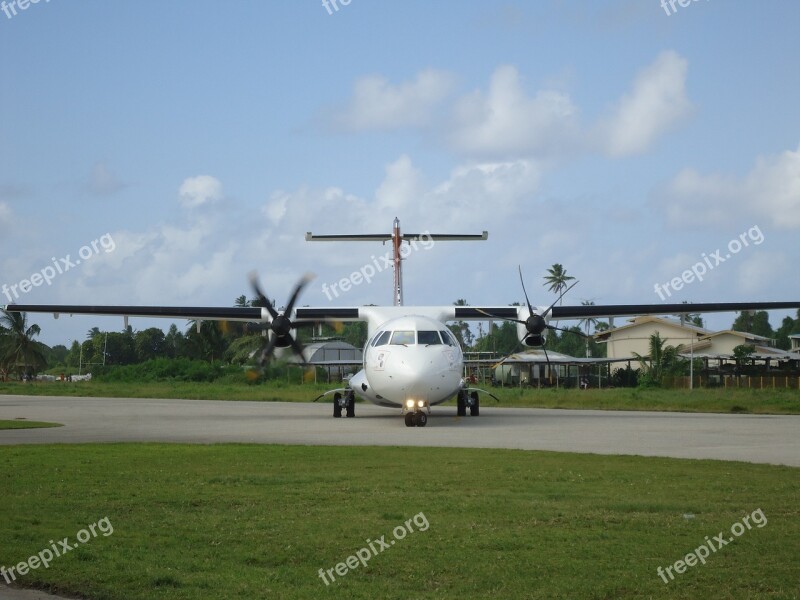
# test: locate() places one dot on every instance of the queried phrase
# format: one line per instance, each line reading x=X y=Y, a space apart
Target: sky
x=155 y=153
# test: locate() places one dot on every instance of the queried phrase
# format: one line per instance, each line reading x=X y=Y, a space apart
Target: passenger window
x=448 y=339
x=428 y=337
x=382 y=339
x=403 y=338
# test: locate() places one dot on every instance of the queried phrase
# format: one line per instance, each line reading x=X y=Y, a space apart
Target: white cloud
x=200 y=190
x=403 y=185
x=5 y=214
x=378 y=105
x=761 y=271
x=102 y=182
x=770 y=192
x=657 y=102
x=504 y=122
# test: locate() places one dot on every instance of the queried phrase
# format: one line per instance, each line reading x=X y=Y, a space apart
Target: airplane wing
x=204 y=313
x=200 y=313
x=447 y=312
x=625 y=310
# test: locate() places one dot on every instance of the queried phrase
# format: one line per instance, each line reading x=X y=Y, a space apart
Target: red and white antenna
x=397 y=238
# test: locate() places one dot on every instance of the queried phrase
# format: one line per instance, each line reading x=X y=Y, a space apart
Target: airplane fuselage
x=413 y=357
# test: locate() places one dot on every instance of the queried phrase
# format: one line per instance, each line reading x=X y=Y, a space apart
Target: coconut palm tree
x=557 y=278
x=661 y=360
x=587 y=322
x=19 y=350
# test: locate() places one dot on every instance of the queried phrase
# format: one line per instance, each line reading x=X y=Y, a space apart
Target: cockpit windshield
x=448 y=339
x=428 y=338
x=382 y=338
x=404 y=338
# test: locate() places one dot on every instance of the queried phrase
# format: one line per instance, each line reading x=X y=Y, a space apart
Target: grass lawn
x=244 y=521
x=767 y=401
x=23 y=424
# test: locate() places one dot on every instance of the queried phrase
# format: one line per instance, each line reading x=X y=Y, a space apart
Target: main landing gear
x=346 y=402
x=468 y=399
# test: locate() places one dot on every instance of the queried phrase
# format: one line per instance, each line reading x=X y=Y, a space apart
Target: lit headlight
x=409 y=403
x=420 y=403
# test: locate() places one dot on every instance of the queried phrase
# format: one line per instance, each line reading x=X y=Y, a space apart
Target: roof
x=741 y=334
x=638 y=321
x=331 y=352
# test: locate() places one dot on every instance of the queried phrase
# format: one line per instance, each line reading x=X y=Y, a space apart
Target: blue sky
x=206 y=138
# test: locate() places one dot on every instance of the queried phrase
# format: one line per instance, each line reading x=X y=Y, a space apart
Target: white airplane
x=411 y=360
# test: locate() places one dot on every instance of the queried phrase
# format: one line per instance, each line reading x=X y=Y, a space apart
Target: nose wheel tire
x=351 y=405
x=418 y=419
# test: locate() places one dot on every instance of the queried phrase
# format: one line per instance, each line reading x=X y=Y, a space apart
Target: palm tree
x=587 y=322
x=557 y=278
x=661 y=360
x=19 y=349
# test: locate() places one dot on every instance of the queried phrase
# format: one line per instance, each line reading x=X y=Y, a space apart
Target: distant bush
x=166 y=369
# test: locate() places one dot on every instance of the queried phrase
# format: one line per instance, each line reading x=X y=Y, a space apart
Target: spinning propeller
x=535 y=324
x=281 y=325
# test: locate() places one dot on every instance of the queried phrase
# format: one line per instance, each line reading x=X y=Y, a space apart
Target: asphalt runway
x=751 y=438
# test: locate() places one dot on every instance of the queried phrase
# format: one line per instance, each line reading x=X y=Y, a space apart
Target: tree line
x=238 y=343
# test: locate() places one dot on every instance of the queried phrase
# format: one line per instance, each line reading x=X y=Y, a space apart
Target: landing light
x=420 y=403
x=409 y=403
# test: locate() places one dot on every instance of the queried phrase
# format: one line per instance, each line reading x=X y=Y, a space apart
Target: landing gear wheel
x=461 y=404
x=337 y=408
x=420 y=419
x=475 y=406
x=351 y=405
x=409 y=419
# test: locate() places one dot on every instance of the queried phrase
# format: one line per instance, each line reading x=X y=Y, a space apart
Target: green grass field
x=777 y=401
x=242 y=521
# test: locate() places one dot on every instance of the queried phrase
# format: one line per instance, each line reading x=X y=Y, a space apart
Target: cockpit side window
x=382 y=339
x=428 y=337
x=448 y=339
x=403 y=338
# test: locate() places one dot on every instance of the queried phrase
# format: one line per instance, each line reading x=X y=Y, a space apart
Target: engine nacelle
x=529 y=339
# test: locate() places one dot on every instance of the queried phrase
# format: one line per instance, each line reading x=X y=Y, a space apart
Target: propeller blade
x=559 y=298
x=507 y=356
x=261 y=296
x=528 y=302
x=267 y=351
x=298 y=349
x=483 y=312
x=547 y=358
x=583 y=335
x=299 y=288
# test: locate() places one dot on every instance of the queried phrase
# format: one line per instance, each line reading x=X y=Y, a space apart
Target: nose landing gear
x=415 y=415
